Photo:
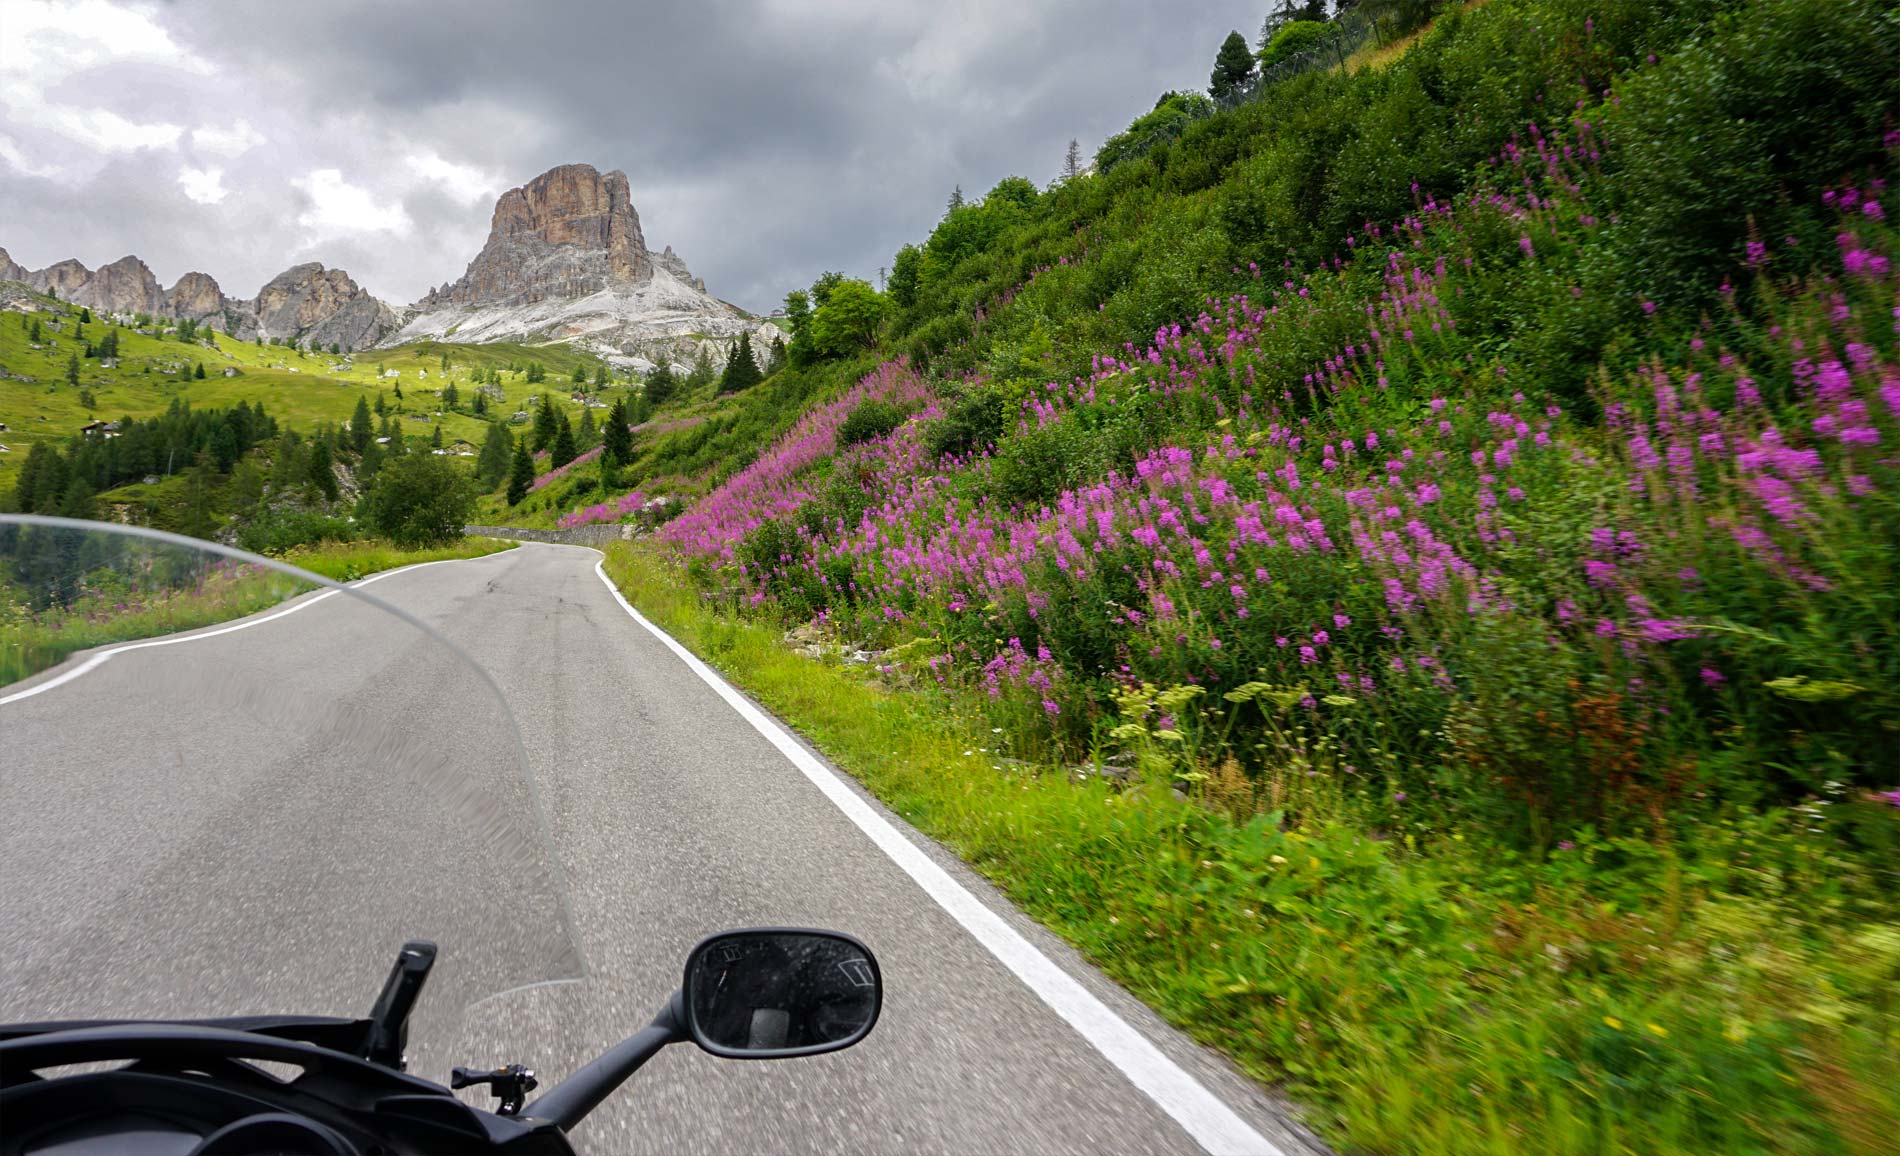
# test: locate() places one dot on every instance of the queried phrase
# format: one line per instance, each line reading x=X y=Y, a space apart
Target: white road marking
x=1214 y=1125
x=98 y=660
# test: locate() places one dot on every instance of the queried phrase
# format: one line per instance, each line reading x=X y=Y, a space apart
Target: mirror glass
x=775 y=993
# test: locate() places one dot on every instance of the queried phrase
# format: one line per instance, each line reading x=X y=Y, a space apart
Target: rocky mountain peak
x=9 y=271
x=62 y=277
x=196 y=295
x=568 y=233
x=124 y=286
x=323 y=306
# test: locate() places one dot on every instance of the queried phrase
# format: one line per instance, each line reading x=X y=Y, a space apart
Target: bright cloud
x=10 y=153
x=47 y=40
x=465 y=183
x=237 y=140
x=336 y=206
x=205 y=186
x=105 y=130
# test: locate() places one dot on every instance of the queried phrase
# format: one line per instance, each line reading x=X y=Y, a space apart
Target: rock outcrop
x=62 y=278
x=322 y=306
x=671 y=262
x=124 y=286
x=197 y=296
x=567 y=233
x=9 y=271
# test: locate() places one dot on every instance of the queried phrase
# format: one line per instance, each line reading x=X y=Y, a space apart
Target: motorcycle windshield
x=230 y=787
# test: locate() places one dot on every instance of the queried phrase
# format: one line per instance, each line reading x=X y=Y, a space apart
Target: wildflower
x=1341 y=621
x=1308 y=655
x=1566 y=845
x=1649 y=307
x=1713 y=677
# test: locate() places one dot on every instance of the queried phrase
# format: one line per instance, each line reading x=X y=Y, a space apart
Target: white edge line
x=1214 y=1125
x=98 y=660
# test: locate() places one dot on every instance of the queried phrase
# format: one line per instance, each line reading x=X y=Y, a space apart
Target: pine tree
x=492 y=465
x=702 y=373
x=562 y=450
x=1072 y=161
x=600 y=377
x=200 y=374
x=520 y=475
x=480 y=405
x=616 y=442
x=742 y=372
x=33 y=334
x=435 y=438
x=956 y=200
x=546 y=423
x=660 y=385
x=361 y=425
x=588 y=434
x=319 y=475
x=579 y=374
x=72 y=370
x=85 y=315
x=1233 y=67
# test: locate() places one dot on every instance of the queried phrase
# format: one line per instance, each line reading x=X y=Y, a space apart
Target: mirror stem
x=569 y=1102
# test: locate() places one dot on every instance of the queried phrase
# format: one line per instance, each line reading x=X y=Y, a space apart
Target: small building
x=96 y=429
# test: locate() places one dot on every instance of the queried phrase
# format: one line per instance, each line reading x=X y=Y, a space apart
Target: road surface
x=138 y=884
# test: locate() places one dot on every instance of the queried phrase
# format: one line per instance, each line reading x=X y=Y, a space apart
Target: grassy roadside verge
x=33 y=640
x=1731 y=994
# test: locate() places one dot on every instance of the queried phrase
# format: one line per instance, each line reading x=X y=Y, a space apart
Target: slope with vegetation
x=1396 y=569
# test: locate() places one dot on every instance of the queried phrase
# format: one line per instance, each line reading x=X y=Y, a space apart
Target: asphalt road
x=254 y=820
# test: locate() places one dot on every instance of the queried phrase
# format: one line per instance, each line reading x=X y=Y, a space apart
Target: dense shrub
x=279 y=531
x=869 y=419
x=418 y=500
x=1293 y=38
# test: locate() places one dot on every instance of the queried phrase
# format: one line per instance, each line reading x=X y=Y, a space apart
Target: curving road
x=143 y=882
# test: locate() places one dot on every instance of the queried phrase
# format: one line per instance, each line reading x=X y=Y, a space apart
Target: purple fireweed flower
x=1713 y=677
x=1308 y=655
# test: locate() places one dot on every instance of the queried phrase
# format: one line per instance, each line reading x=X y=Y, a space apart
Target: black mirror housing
x=773 y=993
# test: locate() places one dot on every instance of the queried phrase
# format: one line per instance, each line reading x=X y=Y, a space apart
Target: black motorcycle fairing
x=187 y=1082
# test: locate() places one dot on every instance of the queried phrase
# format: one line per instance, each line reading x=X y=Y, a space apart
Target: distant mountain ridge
x=565 y=261
x=307 y=303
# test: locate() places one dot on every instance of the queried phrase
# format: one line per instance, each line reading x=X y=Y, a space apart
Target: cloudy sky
x=765 y=140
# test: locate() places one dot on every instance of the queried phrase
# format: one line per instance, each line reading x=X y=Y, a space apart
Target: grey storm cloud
x=765 y=140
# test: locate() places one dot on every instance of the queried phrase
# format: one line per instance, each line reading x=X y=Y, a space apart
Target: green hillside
x=299 y=388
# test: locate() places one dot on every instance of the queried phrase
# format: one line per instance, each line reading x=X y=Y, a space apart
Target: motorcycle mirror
x=769 y=993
